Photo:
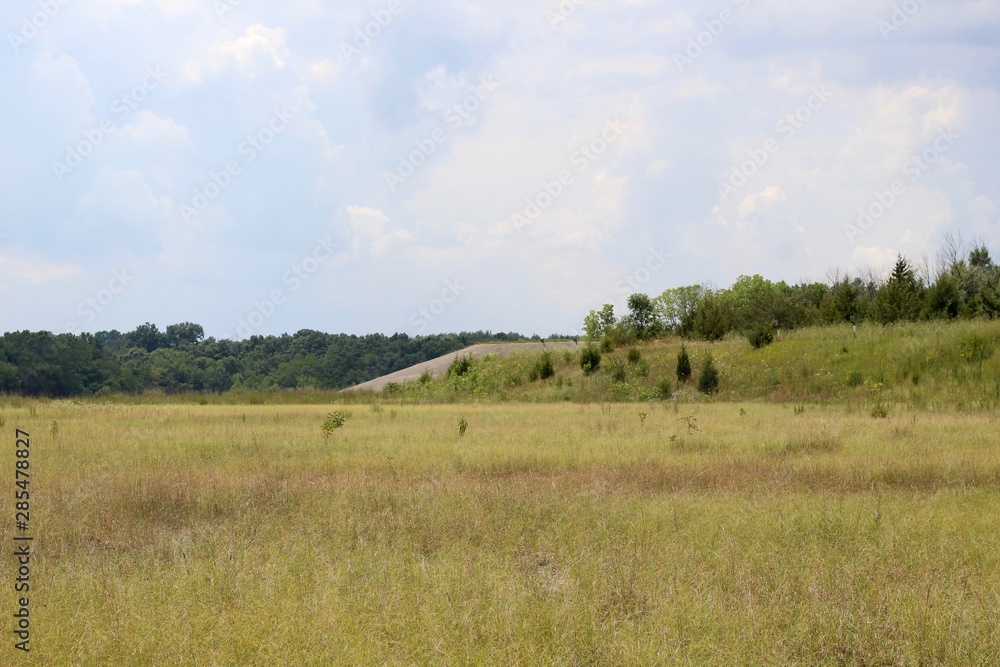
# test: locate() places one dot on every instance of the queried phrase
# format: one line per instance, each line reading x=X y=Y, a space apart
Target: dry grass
x=556 y=535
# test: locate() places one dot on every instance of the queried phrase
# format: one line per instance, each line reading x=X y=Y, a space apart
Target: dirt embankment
x=440 y=365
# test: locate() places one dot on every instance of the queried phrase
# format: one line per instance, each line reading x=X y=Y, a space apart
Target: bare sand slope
x=440 y=365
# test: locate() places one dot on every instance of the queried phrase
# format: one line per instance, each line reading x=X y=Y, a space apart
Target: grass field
x=558 y=534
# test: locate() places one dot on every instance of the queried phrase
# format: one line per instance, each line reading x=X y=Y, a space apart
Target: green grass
x=560 y=534
x=918 y=366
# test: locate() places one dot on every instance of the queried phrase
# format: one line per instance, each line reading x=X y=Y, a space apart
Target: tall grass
x=560 y=534
x=917 y=366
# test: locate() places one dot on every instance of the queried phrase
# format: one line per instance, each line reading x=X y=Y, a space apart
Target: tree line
x=960 y=284
x=182 y=359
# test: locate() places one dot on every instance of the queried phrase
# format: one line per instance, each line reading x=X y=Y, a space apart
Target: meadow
x=710 y=533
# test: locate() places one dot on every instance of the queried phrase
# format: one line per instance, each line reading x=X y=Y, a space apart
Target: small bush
x=607 y=345
x=590 y=359
x=683 y=365
x=665 y=388
x=333 y=421
x=543 y=367
x=855 y=379
x=708 y=379
x=425 y=377
x=460 y=367
x=634 y=356
x=761 y=336
x=391 y=388
x=618 y=371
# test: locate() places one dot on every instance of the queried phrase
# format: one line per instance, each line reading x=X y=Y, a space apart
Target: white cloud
x=64 y=87
x=16 y=270
x=369 y=227
x=762 y=201
x=147 y=129
x=259 y=48
x=880 y=259
x=658 y=182
x=124 y=194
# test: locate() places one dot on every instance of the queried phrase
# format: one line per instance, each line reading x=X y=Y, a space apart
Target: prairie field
x=554 y=534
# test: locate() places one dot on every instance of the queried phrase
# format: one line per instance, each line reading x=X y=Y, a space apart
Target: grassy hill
x=933 y=365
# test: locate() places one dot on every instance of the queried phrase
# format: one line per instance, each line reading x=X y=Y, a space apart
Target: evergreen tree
x=683 y=365
x=902 y=296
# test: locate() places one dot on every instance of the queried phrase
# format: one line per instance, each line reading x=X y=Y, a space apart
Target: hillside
x=439 y=366
x=933 y=365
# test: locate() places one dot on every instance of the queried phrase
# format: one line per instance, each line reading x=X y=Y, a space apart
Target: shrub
x=708 y=380
x=761 y=336
x=590 y=359
x=665 y=388
x=425 y=377
x=683 y=365
x=543 y=367
x=634 y=356
x=333 y=421
x=619 y=373
x=855 y=379
x=391 y=388
x=460 y=366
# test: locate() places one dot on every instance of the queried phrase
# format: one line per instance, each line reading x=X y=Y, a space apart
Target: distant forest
x=181 y=359
x=962 y=283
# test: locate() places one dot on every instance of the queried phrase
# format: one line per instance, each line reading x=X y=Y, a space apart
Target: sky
x=448 y=165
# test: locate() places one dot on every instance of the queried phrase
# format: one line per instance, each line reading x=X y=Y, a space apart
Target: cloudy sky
x=425 y=167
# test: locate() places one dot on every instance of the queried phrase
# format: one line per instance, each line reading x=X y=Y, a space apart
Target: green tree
x=683 y=365
x=183 y=333
x=901 y=298
x=600 y=323
x=714 y=316
x=708 y=379
x=676 y=307
x=147 y=336
x=642 y=316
